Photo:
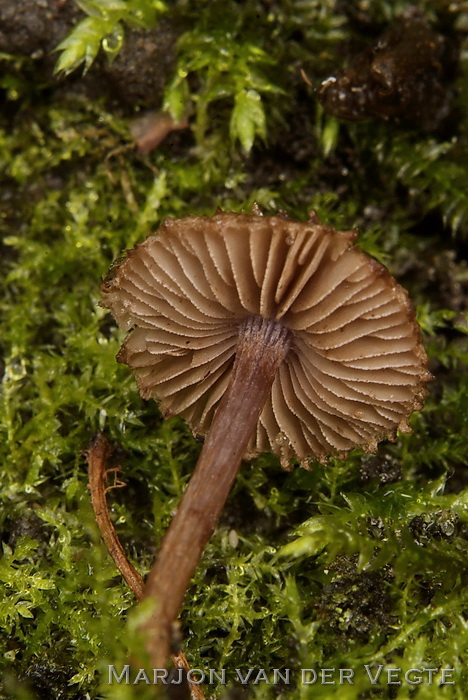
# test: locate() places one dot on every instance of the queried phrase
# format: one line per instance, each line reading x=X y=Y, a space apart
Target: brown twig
x=97 y=456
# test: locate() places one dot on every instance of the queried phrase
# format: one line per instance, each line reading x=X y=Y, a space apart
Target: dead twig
x=97 y=455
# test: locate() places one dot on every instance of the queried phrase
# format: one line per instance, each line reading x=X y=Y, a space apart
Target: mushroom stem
x=262 y=346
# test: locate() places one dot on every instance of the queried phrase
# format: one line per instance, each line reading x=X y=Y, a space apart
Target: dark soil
x=34 y=28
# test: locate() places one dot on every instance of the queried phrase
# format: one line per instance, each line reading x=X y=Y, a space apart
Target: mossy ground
x=359 y=562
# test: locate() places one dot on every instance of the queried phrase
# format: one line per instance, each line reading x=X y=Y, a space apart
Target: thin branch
x=97 y=456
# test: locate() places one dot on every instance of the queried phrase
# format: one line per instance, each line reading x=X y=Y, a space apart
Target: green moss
x=336 y=567
x=104 y=28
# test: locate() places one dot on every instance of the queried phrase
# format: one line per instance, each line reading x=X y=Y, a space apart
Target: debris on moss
x=384 y=467
x=356 y=604
x=405 y=75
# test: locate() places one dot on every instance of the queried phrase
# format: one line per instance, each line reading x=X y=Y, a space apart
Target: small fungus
x=265 y=334
x=402 y=76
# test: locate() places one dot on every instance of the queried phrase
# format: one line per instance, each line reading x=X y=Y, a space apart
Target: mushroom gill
x=355 y=369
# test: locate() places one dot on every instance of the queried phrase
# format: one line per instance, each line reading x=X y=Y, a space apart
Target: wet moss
x=356 y=604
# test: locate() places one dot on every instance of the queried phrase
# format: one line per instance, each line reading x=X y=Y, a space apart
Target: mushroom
x=265 y=334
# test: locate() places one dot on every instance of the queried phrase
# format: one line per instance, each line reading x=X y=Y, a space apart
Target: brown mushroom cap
x=356 y=369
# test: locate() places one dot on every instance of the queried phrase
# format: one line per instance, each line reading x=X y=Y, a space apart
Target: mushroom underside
x=356 y=369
